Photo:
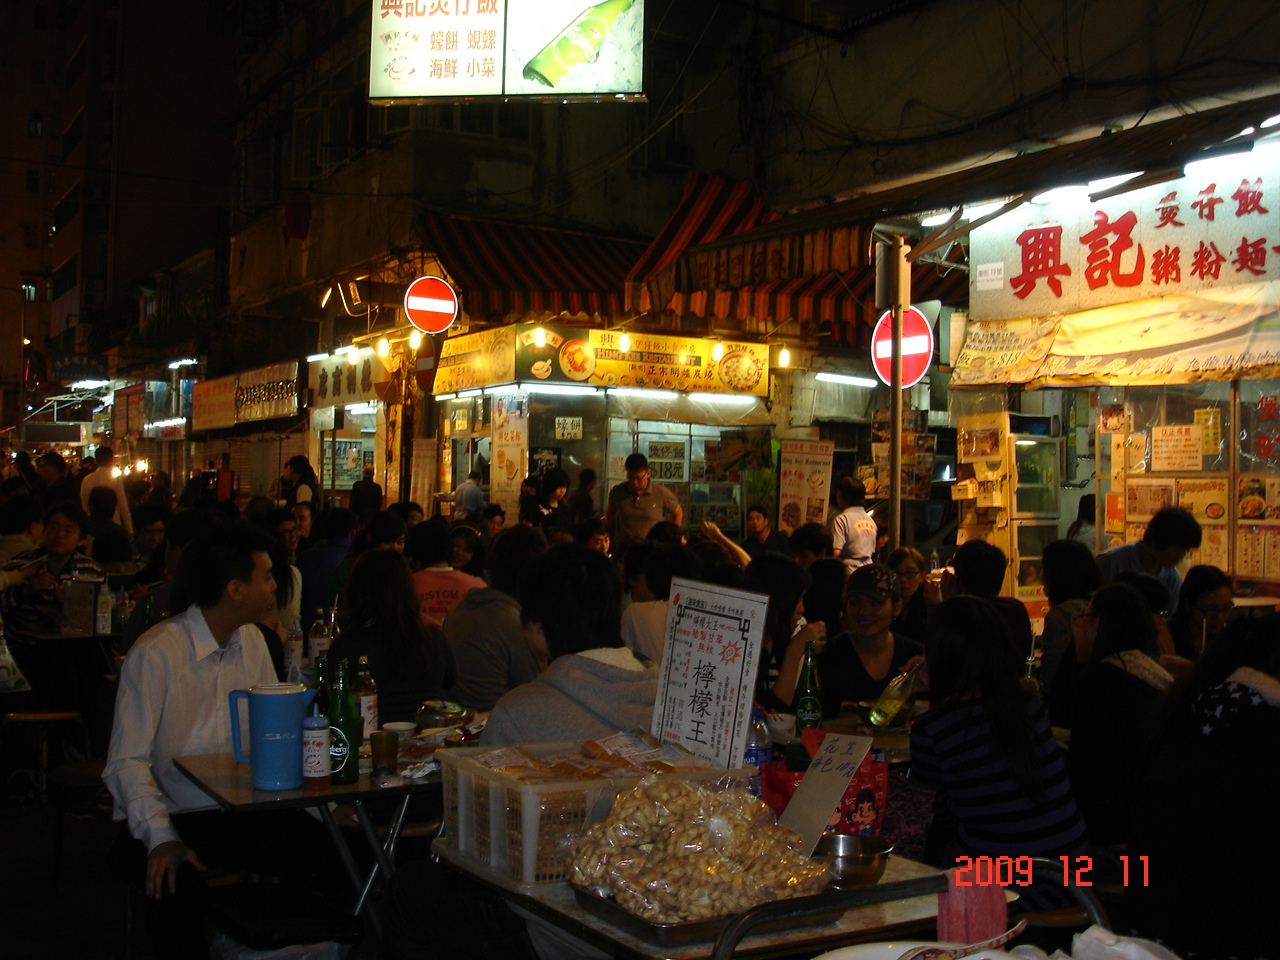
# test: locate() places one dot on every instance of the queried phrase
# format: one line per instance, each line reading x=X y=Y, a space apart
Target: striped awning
x=503 y=269
x=844 y=300
x=712 y=207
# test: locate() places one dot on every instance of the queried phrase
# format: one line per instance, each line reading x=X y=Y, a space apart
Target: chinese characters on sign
x=476 y=48
x=715 y=637
x=510 y=450
x=1176 y=448
x=1215 y=228
x=809 y=811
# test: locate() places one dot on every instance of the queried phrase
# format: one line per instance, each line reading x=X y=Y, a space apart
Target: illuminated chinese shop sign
x=571 y=355
x=596 y=358
x=429 y=49
x=1215 y=228
x=337 y=381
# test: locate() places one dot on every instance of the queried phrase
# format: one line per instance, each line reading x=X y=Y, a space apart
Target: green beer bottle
x=577 y=43
x=344 y=728
x=808 y=701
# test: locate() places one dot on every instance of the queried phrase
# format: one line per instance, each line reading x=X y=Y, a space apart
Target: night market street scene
x=636 y=480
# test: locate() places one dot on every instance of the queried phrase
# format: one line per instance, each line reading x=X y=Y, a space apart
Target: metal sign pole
x=901 y=297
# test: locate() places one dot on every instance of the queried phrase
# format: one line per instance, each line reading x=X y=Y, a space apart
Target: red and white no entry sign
x=917 y=347
x=431 y=304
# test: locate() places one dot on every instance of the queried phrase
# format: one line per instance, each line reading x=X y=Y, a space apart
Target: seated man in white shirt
x=172 y=701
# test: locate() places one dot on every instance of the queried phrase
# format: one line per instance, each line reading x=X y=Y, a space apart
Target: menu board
x=804 y=482
x=918 y=450
x=510 y=449
x=1209 y=419
x=667 y=460
x=1144 y=497
x=1176 y=448
x=715 y=639
x=1205 y=498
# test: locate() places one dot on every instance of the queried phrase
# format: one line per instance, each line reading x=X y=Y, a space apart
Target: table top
x=231 y=785
x=556 y=903
x=1256 y=602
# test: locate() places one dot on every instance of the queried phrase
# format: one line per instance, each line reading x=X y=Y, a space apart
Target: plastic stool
x=43 y=719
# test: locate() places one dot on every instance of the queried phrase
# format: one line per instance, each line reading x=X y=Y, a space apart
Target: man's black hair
x=980 y=567
x=55 y=460
x=635 y=463
x=493 y=510
x=429 y=543
x=574 y=595
x=759 y=508
x=214 y=559
x=1172 y=527
x=668 y=561
x=512 y=550
x=384 y=528
x=852 y=491
x=102 y=503
x=69 y=510
x=339 y=522
x=147 y=514
x=810 y=538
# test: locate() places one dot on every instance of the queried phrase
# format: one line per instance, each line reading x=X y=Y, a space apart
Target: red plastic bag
x=861 y=809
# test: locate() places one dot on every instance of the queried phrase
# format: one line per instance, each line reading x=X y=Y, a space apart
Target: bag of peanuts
x=671 y=852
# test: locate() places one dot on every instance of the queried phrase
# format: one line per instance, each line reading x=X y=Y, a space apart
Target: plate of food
x=740 y=371
x=1253 y=507
x=577 y=359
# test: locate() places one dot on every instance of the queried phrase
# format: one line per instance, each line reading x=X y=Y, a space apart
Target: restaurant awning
x=711 y=207
x=502 y=268
x=1227 y=333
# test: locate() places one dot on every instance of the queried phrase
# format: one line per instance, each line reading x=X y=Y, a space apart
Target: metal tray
x=689 y=932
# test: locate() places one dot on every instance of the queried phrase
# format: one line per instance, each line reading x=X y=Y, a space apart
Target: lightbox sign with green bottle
x=423 y=50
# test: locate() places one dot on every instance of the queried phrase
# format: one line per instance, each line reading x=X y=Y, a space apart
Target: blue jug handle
x=232 y=697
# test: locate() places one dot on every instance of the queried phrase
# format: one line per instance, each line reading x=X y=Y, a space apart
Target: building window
x=73 y=135
x=30 y=235
x=35 y=124
x=64 y=278
x=28 y=290
x=49 y=235
x=33 y=181
x=67 y=208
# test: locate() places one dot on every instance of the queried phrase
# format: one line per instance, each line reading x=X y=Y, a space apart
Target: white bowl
x=402 y=728
x=892 y=951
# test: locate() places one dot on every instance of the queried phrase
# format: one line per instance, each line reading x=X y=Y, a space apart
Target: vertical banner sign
x=804 y=483
x=715 y=638
x=510 y=449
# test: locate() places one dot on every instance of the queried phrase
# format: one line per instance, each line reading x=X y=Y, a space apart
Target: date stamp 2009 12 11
x=1016 y=871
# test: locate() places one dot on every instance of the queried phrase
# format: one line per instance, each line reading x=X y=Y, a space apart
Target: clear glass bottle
x=895 y=695
x=320 y=637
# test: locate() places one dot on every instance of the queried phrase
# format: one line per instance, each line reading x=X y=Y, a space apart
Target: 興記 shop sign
x=1216 y=227
x=596 y=358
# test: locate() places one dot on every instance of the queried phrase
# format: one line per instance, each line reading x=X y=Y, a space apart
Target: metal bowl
x=853 y=861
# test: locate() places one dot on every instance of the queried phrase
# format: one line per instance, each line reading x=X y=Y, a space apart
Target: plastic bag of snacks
x=671 y=852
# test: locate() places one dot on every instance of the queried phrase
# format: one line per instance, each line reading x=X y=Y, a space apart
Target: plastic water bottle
x=293 y=648
x=320 y=638
x=759 y=747
x=935 y=562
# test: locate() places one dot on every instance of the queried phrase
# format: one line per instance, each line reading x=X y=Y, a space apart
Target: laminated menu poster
x=1213 y=548
x=1257 y=552
x=804 y=482
x=715 y=639
x=1205 y=498
x=1144 y=497
x=510 y=450
x=1176 y=448
x=918 y=452
x=1258 y=499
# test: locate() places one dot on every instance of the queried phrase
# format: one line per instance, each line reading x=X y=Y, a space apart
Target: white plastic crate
x=518 y=834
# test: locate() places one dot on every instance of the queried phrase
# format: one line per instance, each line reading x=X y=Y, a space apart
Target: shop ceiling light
x=317 y=356
x=186 y=362
x=1270 y=122
x=1212 y=164
x=464 y=394
x=846 y=378
x=564 y=389
x=784 y=357
x=445 y=396
x=638 y=392
x=341 y=350
x=160 y=424
x=1077 y=192
x=324 y=297
x=361 y=408
x=504 y=388
x=384 y=347
x=141 y=466
x=539 y=337
x=1024 y=443
x=353 y=357
x=740 y=399
x=717 y=352
x=624 y=343
x=415 y=339
x=89 y=384
x=26 y=341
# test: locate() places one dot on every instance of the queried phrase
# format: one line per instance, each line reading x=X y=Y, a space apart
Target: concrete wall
x=967 y=81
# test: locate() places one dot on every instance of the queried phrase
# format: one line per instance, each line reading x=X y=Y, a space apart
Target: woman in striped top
x=985 y=747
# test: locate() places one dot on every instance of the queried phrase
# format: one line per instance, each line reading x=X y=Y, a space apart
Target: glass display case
x=1034 y=476
x=1029 y=540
